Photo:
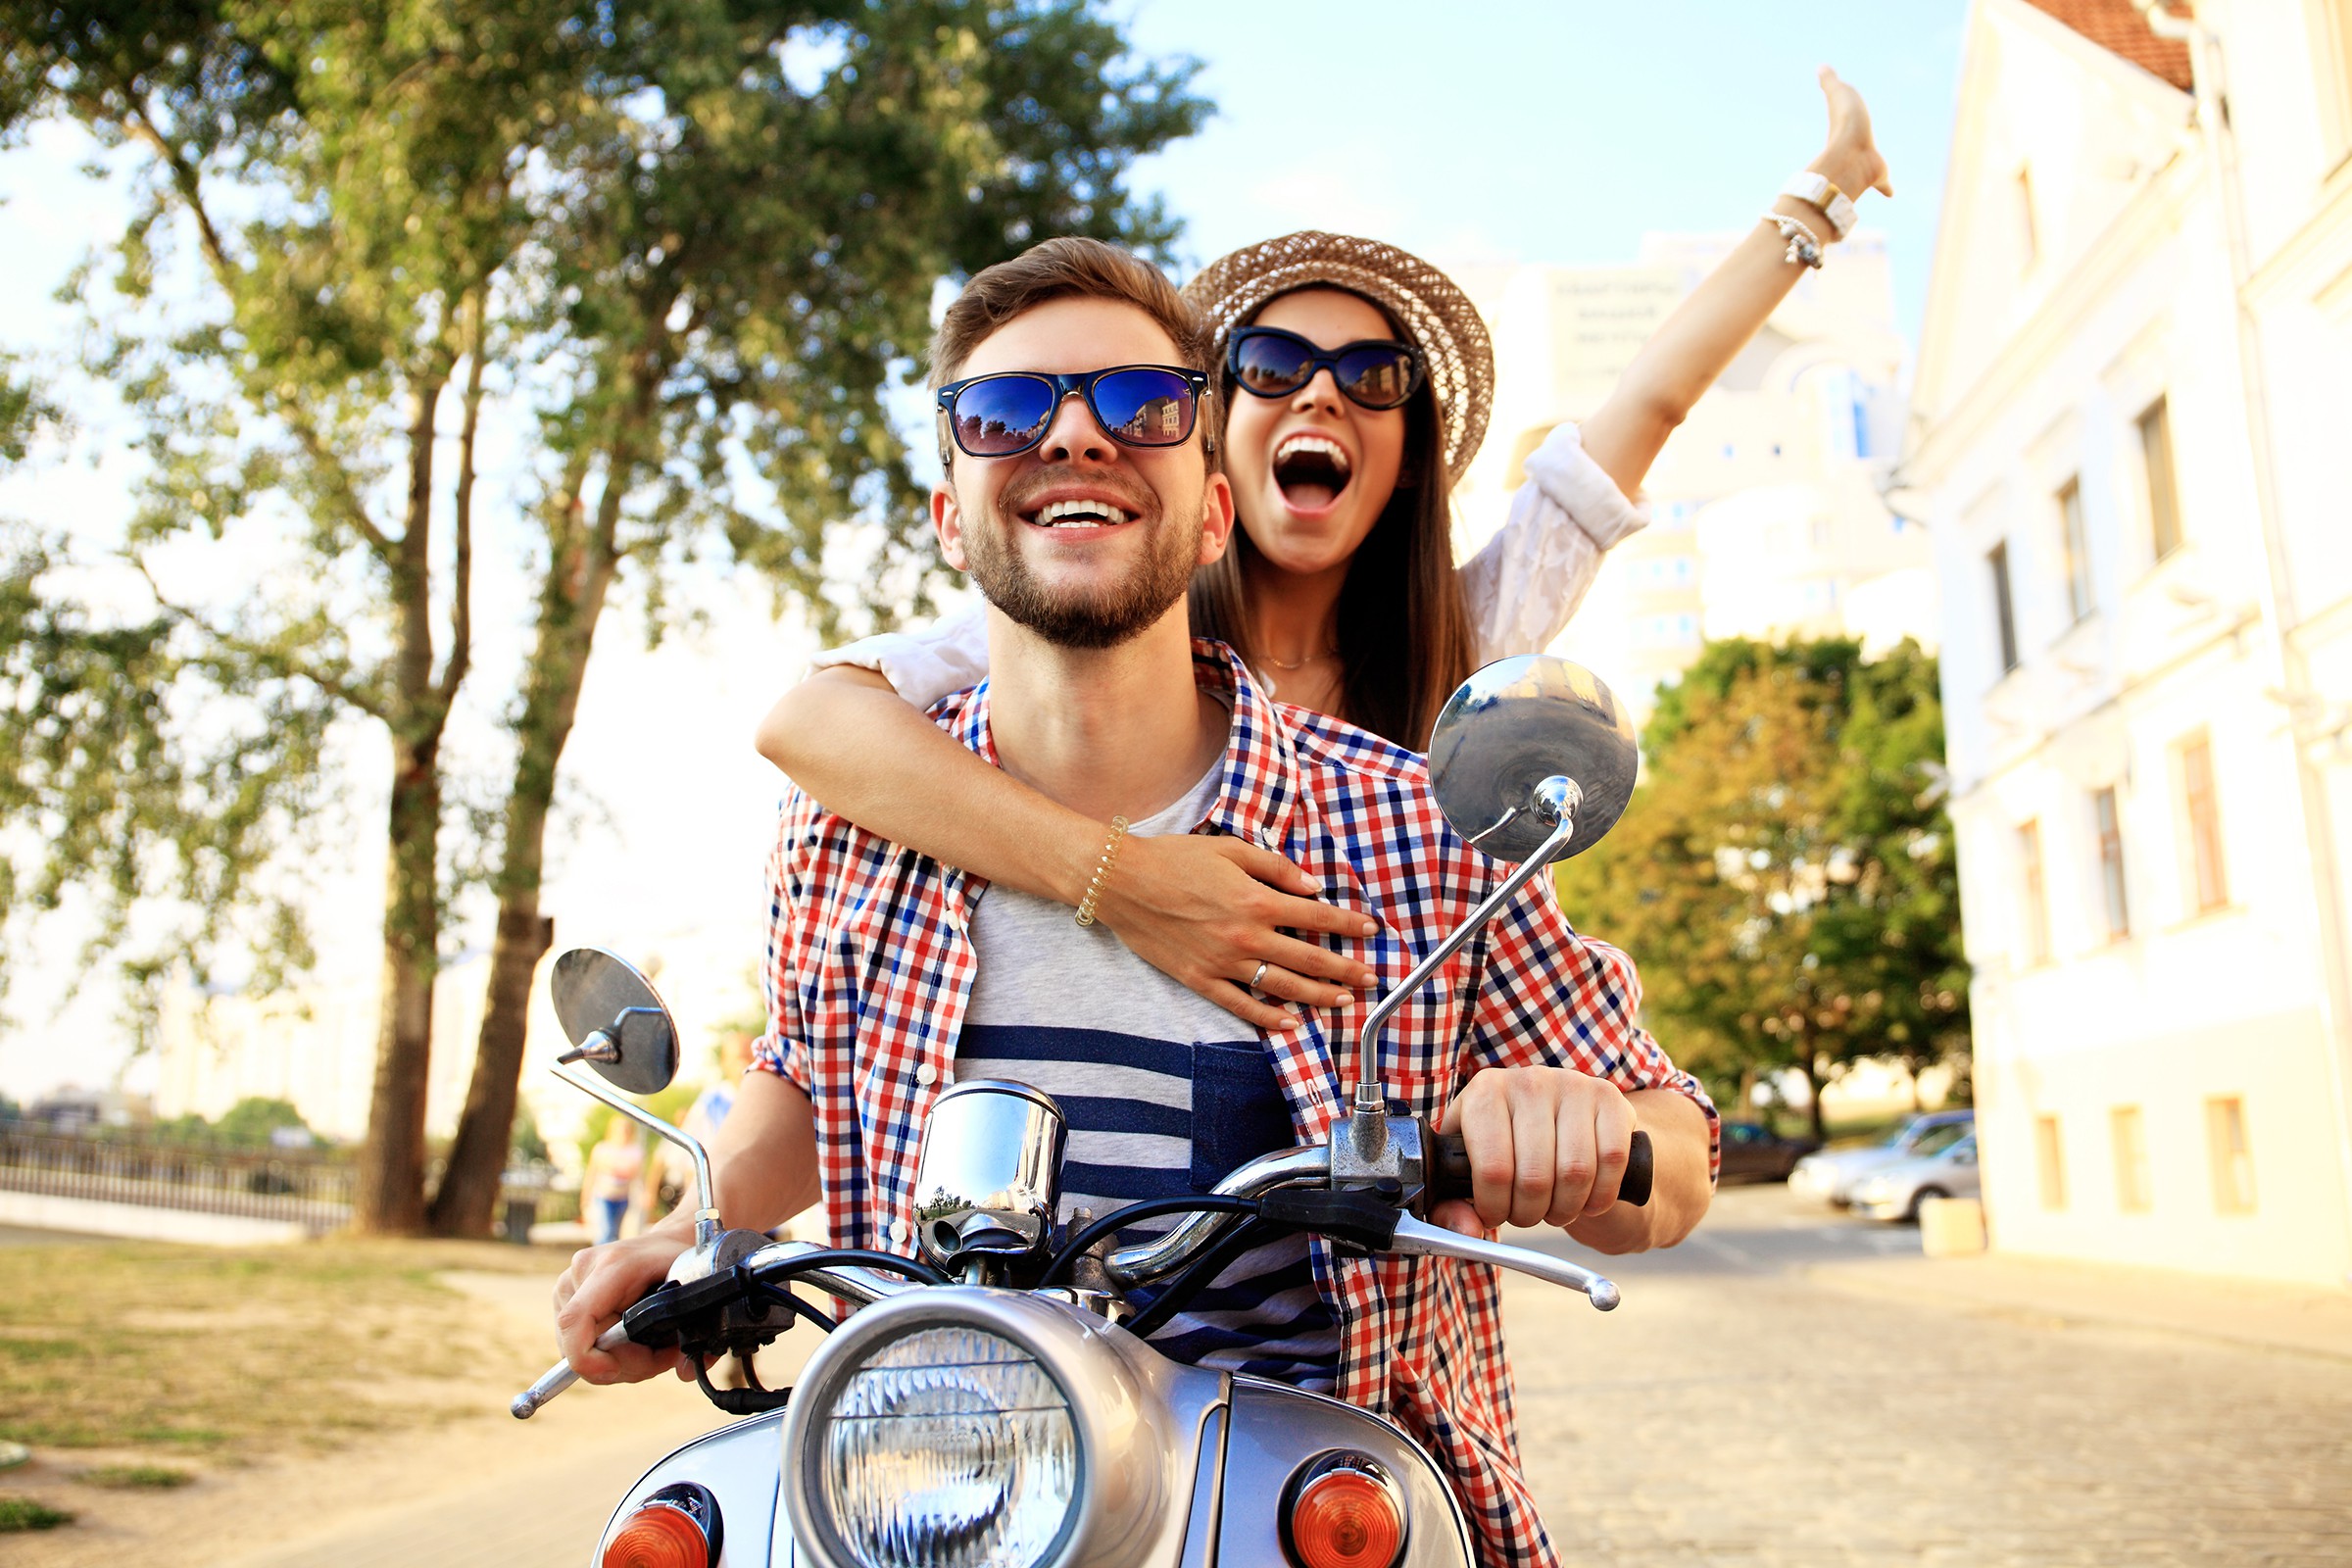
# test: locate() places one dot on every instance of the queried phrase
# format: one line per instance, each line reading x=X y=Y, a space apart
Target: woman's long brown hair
x=1403 y=627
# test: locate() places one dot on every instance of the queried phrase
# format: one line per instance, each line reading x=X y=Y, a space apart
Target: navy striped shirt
x=1164 y=1093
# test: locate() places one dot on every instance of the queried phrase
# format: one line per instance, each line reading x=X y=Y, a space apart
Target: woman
x=1357 y=381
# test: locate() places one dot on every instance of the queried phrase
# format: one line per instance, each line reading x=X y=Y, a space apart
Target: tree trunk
x=1812 y=1071
x=580 y=572
x=467 y=1204
x=388 y=1198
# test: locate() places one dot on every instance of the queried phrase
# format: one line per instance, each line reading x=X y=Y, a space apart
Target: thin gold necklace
x=1328 y=653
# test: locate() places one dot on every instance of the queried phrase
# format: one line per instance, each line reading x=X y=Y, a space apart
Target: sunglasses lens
x=1002 y=415
x=1145 y=408
x=1377 y=378
x=1270 y=366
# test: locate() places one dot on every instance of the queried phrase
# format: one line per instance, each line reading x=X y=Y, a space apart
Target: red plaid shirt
x=869 y=970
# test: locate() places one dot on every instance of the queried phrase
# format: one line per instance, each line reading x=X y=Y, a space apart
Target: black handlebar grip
x=1449 y=1170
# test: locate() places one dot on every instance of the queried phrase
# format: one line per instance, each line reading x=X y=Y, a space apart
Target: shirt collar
x=1259 y=791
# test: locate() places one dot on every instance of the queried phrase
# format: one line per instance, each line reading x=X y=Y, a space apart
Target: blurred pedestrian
x=613 y=1167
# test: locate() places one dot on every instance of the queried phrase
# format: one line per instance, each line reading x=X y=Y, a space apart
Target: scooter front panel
x=738 y=1463
x=1277 y=1430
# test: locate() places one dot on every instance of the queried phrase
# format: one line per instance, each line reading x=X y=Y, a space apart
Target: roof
x=2117 y=27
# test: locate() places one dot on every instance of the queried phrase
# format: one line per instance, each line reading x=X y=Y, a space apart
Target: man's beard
x=1082 y=618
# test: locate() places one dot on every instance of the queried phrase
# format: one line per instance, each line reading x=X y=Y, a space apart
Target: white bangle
x=1803 y=244
x=1818 y=190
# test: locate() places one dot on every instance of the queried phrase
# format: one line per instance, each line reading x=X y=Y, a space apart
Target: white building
x=2130 y=434
x=1767 y=517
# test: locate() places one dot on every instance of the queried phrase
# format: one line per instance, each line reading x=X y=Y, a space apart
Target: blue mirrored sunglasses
x=1007 y=413
x=1375 y=374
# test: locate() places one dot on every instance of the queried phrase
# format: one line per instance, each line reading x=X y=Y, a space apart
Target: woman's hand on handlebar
x=600 y=1284
x=1208 y=909
x=1547 y=1146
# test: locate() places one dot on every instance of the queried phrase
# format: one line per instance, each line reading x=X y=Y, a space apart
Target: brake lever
x=1417 y=1238
x=531 y=1401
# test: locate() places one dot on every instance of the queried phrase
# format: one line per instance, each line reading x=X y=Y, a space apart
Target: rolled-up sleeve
x=926 y=664
x=1551 y=997
x=1523 y=587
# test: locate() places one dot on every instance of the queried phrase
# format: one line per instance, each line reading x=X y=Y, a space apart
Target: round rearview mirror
x=615 y=1020
x=1515 y=725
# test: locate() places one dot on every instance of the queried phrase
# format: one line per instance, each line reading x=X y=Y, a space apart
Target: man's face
x=1084 y=541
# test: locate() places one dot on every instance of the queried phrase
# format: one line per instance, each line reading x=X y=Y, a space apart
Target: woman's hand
x=1207 y=909
x=1850 y=160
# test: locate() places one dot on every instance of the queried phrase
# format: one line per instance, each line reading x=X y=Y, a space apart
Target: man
x=890 y=974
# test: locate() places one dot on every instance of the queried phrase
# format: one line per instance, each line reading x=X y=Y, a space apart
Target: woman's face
x=1312 y=470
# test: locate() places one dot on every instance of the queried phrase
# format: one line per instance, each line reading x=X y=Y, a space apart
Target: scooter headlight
x=948 y=1446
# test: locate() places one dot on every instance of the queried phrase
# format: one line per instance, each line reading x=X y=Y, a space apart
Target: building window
x=2105 y=821
x=2078 y=548
x=2004 y=616
x=2049 y=1162
x=2232 y=1160
x=2131 y=1160
x=2203 y=813
x=2029 y=233
x=2036 y=907
x=2164 y=499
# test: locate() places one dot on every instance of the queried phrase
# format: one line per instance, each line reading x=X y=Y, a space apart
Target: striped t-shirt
x=1164 y=1093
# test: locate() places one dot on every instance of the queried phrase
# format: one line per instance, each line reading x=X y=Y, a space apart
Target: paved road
x=1762 y=1399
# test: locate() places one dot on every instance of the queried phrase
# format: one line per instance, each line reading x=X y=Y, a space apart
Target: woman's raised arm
x=1707 y=330
x=1205 y=910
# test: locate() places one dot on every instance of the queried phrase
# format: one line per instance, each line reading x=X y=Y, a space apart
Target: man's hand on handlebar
x=1547 y=1146
x=604 y=1281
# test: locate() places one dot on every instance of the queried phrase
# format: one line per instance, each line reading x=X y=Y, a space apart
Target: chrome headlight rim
x=1051 y=1335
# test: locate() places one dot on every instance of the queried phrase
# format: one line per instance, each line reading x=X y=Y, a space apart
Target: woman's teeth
x=1080 y=514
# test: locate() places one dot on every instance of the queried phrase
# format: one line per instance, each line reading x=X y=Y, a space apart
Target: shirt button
x=926 y=1074
x=900 y=1230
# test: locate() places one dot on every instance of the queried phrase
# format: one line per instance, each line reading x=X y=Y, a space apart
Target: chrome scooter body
x=984 y=1403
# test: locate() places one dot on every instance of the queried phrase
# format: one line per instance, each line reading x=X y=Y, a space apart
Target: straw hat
x=1437 y=316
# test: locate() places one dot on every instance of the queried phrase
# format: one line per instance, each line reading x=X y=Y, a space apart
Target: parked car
x=1754 y=1153
x=1895 y=1192
x=1831 y=1174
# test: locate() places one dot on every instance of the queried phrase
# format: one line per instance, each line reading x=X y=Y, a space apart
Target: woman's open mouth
x=1311 y=471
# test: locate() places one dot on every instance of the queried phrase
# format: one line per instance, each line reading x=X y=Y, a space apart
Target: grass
x=22 y=1513
x=135 y=1477
x=229 y=1354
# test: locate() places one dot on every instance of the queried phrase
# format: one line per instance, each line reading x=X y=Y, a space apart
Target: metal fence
x=311 y=1190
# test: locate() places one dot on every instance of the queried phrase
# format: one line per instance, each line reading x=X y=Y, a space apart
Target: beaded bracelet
x=1102 y=877
x=1803 y=244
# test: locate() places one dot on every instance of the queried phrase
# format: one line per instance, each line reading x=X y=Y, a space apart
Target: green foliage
x=22 y=1513
x=1786 y=876
x=684 y=249
x=136 y=1476
x=527 y=1147
x=250 y=1122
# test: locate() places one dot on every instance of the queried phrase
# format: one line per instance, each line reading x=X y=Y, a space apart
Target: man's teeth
x=1080 y=514
x=1331 y=450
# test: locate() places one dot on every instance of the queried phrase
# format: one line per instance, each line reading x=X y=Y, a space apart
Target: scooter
x=991 y=1402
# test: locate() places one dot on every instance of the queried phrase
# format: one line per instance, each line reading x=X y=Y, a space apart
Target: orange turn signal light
x=1346 y=1517
x=660 y=1536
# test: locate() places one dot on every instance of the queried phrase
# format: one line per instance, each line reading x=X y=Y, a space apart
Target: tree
x=1786 y=876
x=688 y=246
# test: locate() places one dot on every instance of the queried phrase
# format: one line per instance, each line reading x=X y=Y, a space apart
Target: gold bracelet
x=1102 y=877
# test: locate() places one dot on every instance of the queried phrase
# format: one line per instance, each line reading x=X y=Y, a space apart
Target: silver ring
x=1261 y=975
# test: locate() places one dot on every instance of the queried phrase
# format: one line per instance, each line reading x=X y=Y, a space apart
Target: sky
x=1533 y=132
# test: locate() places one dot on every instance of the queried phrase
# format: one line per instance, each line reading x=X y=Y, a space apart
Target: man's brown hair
x=1071 y=268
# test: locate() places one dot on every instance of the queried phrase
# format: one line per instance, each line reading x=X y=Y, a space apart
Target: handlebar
x=1449 y=1170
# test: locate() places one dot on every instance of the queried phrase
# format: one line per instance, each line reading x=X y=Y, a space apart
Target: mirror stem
x=1555 y=800
x=705 y=1218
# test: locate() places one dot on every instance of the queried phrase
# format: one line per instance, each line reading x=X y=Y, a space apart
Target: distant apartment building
x=1767 y=519
x=2131 y=435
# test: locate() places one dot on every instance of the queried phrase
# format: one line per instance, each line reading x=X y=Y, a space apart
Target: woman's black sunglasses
x=1274 y=364
x=1006 y=415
